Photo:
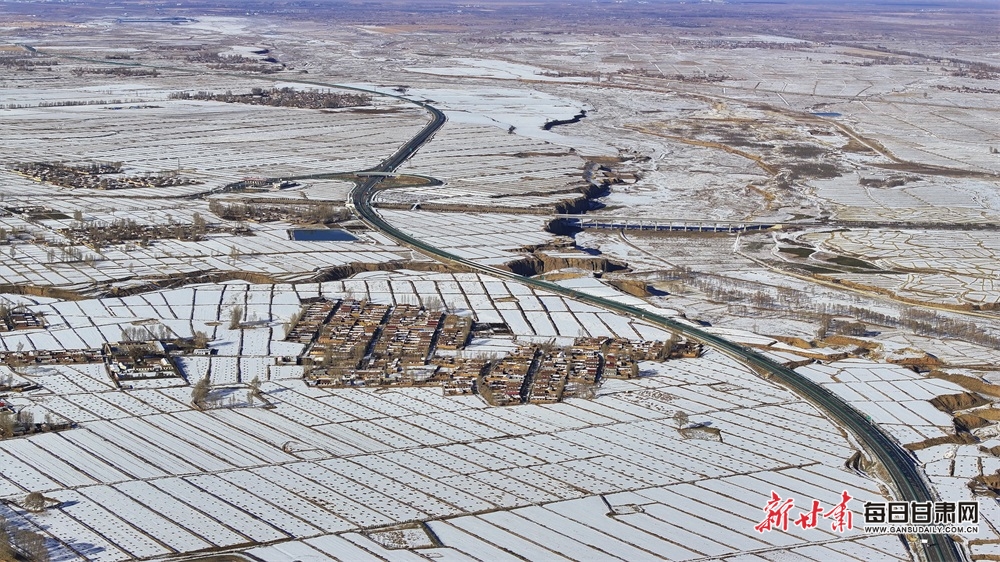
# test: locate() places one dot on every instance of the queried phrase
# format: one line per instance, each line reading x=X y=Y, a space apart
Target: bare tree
x=681 y=418
x=6 y=546
x=200 y=340
x=199 y=224
x=7 y=425
x=434 y=304
x=290 y=324
x=235 y=317
x=199 y=392
x=135 y=334
x=253 y=391
x=31 y=545
x=34 y=502
x=26 y=418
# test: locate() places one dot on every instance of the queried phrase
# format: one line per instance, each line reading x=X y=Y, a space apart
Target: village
x=141 y=353
x=96 y=176
x=283 y=97
x=353 y=343
x=357 y=343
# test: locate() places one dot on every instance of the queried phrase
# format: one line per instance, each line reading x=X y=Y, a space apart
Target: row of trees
x=18 y=543
x=23 y=423
x=116 y=71
x=283 y=97
x=121 y=230
x=797 y=304
x=97 y=176
x=73 y=103
x=202 y=399
x=323 y=213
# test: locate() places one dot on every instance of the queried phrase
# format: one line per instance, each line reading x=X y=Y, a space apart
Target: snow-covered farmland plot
x=201 y=146
x=490 y=239
x=483 y=167
x=942 y=266
x=688 y=433
x=295 y=142
x=455 y=463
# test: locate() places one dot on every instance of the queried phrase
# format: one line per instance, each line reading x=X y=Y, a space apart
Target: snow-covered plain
x=324 y=472
x=327 y=466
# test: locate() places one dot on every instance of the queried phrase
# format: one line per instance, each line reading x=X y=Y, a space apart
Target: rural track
x=899 y=463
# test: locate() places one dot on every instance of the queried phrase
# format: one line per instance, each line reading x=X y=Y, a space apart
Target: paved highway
x=899 y=463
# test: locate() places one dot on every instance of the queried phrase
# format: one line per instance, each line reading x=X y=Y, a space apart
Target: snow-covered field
x=950 y=267
x=327 y=466
x=484 y=166
x=219 y=142
x=677 y=464
x=354 y=461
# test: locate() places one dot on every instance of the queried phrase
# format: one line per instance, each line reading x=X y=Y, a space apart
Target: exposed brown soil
x=921 y=363
x=951 y=403
x=854 y=146
x=991 y=481
x=838 y=340
x=539 y=263
x=793 y=341
x=404 y=180
x=329 y=274
x=634 y=287
x=35 y=291
x=968 y=422
x=970 y=383
x=345 y=271
x=990 y=414
x=957 y=439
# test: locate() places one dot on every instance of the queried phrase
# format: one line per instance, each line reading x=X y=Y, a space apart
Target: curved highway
x=899 y=463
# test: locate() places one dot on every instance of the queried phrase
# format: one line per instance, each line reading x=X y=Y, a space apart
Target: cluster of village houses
x=356 y=343
x=96 y=176
x=353 y=343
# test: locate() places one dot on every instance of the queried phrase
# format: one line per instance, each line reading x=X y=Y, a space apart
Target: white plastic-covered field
x=245 y=353
x=527 y=480
x=683 y=457
x=267 y=250
x=894 y=397
x=213 y=144
x=203 y=138
x=677 y=464
x=484 y=166
x=940 y=266
x=490 y=239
